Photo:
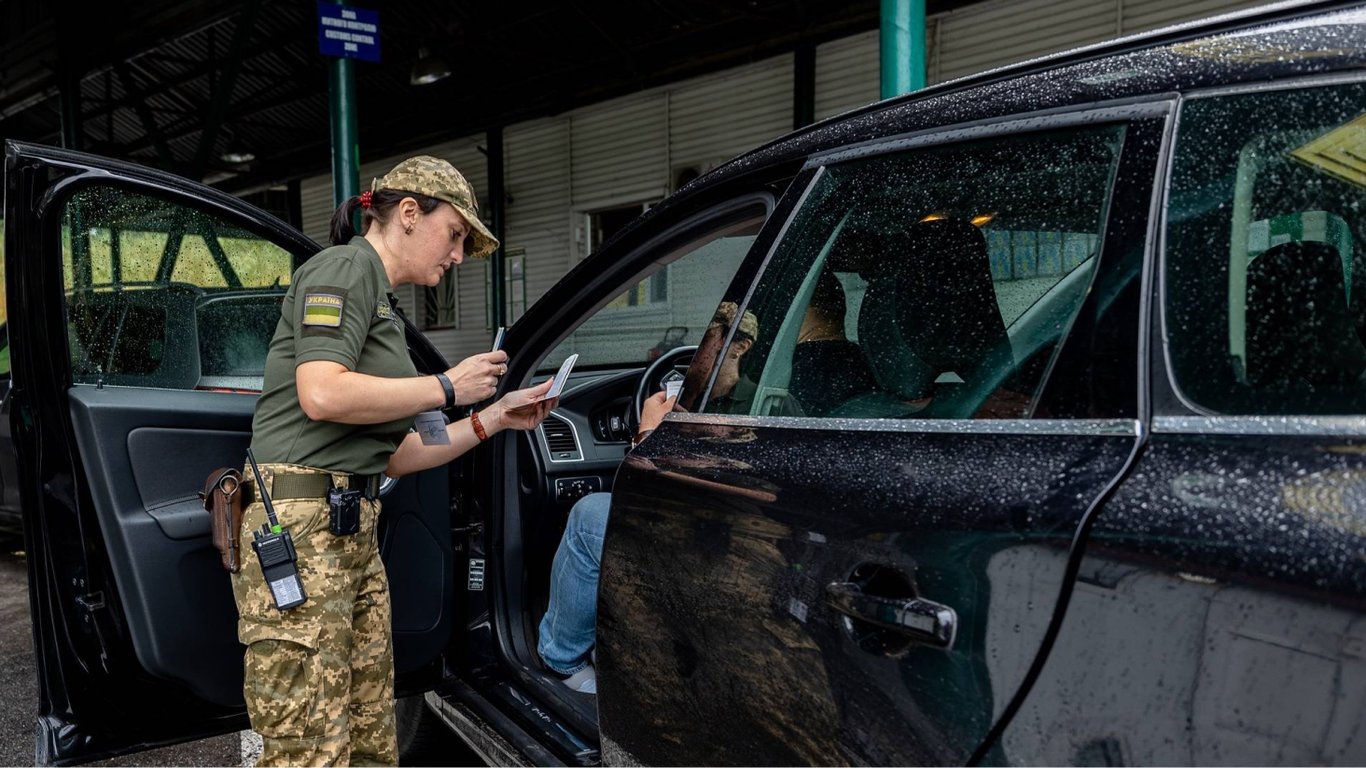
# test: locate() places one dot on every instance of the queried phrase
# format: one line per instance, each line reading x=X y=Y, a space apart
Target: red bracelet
x=478 y=428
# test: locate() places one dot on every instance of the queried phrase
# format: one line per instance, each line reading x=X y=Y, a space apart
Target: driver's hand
x=652 y=412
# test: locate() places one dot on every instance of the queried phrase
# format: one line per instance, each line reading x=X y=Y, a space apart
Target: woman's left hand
x=522 y=408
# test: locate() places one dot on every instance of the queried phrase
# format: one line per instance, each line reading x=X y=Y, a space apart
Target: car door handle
x=923 y=621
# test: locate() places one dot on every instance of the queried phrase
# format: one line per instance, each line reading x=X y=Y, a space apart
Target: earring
x=408 y=230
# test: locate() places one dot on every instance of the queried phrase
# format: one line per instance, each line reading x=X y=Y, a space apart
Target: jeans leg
x=568 y=629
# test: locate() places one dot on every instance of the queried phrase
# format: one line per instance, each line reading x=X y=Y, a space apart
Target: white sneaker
x=583 y=681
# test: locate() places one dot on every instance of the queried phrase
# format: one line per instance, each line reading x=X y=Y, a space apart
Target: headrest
x=1300 y=332
x=930 y=306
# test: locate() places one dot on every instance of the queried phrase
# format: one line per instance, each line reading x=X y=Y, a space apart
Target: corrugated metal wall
x=536 y=169
x=712 y=119
x=846 y=74
x=628 y=150
x=618 y=152
x=999 y=32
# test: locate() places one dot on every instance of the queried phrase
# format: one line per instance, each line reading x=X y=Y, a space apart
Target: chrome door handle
x=923 y=621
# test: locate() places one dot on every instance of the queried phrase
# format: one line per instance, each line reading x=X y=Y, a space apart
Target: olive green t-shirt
x=338 y=308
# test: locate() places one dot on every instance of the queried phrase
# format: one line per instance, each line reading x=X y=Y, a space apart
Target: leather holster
x=222 y=497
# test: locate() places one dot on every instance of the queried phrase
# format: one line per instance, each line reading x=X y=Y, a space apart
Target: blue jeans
x=568 y=629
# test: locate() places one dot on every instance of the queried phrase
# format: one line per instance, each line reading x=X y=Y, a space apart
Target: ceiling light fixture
x=429 y=68
x=236 y=153
x=238 y=156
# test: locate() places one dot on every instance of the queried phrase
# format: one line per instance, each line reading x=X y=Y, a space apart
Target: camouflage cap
x=725 y=315
x=434 y=177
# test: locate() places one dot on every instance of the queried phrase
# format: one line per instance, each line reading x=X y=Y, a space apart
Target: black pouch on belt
x=343 y=511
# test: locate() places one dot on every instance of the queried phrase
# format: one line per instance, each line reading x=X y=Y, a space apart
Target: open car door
x=141 y=306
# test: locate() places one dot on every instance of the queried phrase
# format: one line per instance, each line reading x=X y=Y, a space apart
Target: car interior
x=1283 y=211
x=627 y=349
x=959 y=289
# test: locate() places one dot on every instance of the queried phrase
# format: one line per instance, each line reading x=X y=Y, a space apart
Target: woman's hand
x=520 y=409
x=476 y=377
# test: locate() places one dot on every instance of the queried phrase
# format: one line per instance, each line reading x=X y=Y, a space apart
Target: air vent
x=560 y=439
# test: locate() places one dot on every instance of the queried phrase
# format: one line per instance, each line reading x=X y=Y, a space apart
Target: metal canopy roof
x=157 y=78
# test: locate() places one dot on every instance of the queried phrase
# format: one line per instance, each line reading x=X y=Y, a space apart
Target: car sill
x=487 y=731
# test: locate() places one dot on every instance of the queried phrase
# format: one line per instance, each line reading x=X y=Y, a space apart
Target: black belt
x=313 y=485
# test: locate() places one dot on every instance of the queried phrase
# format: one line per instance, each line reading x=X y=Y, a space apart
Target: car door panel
x=1226 y=573
x=755 y=533
x=130 y=603
x=1226 y=570
x=159 y=537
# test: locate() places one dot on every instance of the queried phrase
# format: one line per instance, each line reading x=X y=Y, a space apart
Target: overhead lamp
x=236 y=153
x=936 y=216
x=982 y=219
x=429 y=68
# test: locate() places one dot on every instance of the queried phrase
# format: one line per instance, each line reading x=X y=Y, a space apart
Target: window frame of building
x=436 y=317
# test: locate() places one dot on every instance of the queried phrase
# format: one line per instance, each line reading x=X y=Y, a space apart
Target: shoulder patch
x=323 y=307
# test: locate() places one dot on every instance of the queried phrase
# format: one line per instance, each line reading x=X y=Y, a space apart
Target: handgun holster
x=222 y=497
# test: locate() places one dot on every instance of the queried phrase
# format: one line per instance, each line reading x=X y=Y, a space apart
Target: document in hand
x=561 y=376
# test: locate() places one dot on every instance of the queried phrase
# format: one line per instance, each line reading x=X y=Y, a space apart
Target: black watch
x=447 y=388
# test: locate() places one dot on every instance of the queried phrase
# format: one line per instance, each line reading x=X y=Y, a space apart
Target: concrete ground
x=19 y=688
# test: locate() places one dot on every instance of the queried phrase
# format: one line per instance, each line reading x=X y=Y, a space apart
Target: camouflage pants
x=319 y=677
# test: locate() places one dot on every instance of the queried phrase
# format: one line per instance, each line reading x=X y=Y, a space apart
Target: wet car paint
x=720 y=573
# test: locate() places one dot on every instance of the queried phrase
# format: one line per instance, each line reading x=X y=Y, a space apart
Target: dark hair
x=382 y=202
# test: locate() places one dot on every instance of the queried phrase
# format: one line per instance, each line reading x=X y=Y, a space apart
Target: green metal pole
x=345 y=139
x=902 y=43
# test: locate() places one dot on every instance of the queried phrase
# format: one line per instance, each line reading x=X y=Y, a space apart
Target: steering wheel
x=652 y=380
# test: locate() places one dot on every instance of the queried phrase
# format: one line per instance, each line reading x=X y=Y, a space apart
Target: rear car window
x=160 y=295
x=930 y=283
x=1265 y=283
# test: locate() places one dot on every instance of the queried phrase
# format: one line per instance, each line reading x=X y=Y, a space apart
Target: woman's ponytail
x=375 y=205
x=343 y=228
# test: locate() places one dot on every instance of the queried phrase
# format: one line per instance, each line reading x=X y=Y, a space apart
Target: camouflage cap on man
x=725 y=315
x=434 y=177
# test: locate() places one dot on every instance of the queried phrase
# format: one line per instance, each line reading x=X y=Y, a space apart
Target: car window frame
x=1173 y=411
x=677 y=242
x=1162 y=106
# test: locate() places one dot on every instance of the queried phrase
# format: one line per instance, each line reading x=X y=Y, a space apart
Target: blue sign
x=348 y=32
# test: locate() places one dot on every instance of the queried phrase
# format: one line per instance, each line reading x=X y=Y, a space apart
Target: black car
x=1089 y=486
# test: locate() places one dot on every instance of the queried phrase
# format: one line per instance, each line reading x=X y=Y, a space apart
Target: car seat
x=1302 y=344
x=928 y=321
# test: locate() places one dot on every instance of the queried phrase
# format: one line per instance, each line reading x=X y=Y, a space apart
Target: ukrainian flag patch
x=323 y=307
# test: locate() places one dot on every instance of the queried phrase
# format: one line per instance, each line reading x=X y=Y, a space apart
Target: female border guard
x=339 y=398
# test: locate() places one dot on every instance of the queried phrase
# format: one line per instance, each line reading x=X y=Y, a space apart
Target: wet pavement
x=19 y=688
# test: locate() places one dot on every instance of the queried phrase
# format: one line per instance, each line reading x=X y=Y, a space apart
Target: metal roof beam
x=149 y=123
x=171 y=82
x=222 y=93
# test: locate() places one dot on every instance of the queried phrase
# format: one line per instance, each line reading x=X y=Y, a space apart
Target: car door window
x=669 y=306
x=162 y=295
x=1264 y=273
x=931 y=283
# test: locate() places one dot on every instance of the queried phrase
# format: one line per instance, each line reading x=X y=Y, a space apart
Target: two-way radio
x=275 y=550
